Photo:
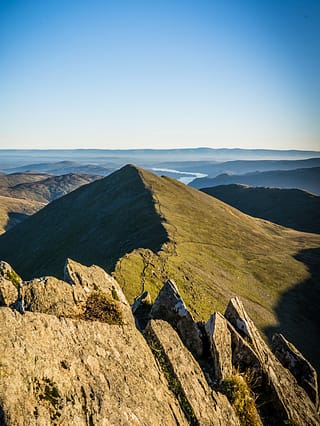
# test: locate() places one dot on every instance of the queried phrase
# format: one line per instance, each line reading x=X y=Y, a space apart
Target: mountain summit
x=145 y=229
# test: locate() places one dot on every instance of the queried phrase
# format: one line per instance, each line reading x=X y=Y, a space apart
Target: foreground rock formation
x=71 y=354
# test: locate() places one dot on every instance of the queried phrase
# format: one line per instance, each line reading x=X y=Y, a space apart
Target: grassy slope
x=292 y=208
x=216 y=252
x=10 y=207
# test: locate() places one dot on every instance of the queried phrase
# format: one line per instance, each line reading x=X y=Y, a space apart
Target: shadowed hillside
x=293 y=208
x=307 y=179
x=14 y=211
x=146 y=228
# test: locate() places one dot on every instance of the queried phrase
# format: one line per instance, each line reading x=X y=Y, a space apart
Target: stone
x=220 y=346
x=169 y=306
x=202 y=405
x=298 y=365
x=74 y=299
x=9 y=283
x=290 y=402
x=60 y=371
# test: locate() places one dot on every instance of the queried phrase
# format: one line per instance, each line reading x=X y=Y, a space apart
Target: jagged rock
x=293 y=360
x=87 y=286
x=243 y=356
x=170 y=307
x=290 y=401
x=93 y=278
x=220 y=345
x=9 y=283
x=71 y=372
x=203 y=405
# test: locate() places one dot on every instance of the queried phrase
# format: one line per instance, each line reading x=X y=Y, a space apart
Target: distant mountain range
x=145 y=229
x=62 y=167
x=213 y=169
x=293 y=208
x=11 y=160
x=307 y=179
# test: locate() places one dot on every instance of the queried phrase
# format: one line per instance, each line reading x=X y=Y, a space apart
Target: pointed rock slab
x=93 y=278
x=294 y=361
x=60 y=371
x=220 y=345
x=202 y=405
x=290 y=401
x=170 y=307
x=9 y=283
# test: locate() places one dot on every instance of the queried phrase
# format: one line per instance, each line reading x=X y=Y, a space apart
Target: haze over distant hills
x=293 y=208
x=10 y=159
x=146 y=228
x=306 y=179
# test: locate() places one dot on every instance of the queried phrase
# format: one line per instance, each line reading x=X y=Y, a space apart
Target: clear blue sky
x=124 y=74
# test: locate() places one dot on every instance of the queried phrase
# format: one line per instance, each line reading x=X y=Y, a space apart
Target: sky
x=160 y=74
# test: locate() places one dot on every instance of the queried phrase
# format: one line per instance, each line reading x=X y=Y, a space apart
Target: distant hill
x=293 y=208
x=45 y=190
x=307 y=179
x=214 y=168
x=63 y=168
x=145 y=228
x=14 y=211
x=12 y=179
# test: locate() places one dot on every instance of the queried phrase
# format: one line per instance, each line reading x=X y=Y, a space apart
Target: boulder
x=201 y=404
x=90 y=294
x=170 y=307
x=294 y=361
x=290 y=402
x=220 y=346
x=60 y=371
x=9 y=283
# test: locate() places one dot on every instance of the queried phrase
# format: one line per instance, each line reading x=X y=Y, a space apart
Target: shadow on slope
x=95 y=224
x=14 y=219
x=298 y=310
x=292 y=208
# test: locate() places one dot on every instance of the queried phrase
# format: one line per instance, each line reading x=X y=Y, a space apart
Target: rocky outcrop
x=87 y=286
x=70 y=353
x=202 y=405
x=290 y=401
x=59 y=371
x=293 y=360
x=170 y=307
x=9 y=283
x=220 y=346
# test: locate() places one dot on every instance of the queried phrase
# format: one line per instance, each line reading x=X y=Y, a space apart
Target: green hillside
x=146 y=228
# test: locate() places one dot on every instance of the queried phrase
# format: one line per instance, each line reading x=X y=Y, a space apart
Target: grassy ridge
x=146 y=229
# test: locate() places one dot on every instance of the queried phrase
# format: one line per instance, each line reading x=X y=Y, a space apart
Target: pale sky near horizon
x=160 y=74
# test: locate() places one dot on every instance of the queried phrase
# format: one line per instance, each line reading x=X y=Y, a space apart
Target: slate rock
x=298 y=365
x=220 y=346
x=169 y=306
x=60 y=371
x=290 y=402
x=204 y=405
